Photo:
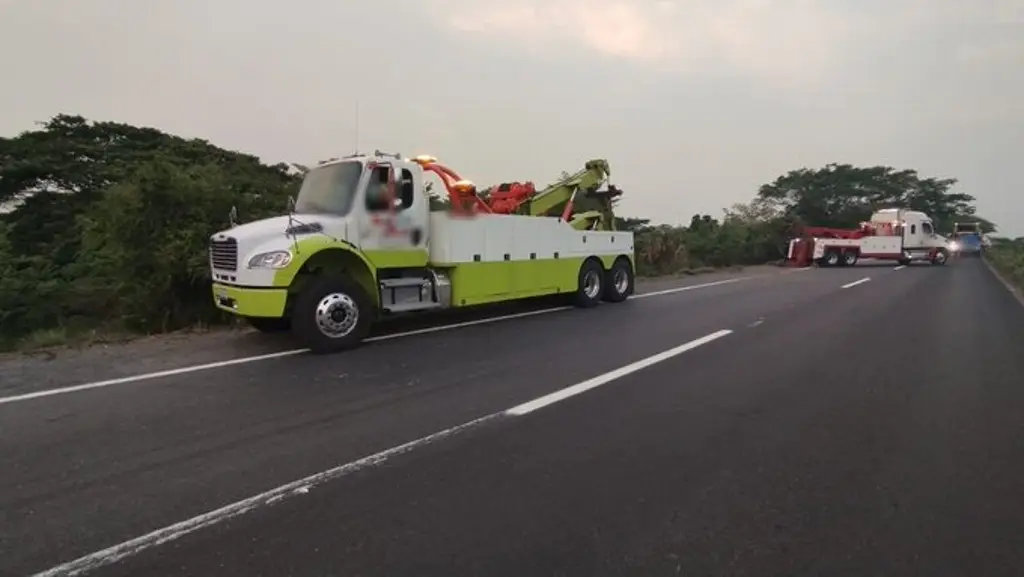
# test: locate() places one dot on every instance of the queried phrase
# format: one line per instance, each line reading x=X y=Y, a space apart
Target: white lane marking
x=169 y=533
x=688 y=288
x=303 y=486
x=856 y=282
x=145 y=377
x=243 y=360
x=901 y=267
x=606 y=378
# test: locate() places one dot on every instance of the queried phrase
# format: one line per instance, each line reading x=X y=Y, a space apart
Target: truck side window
x=913 y=229
x=926 y=227
x=377 y=190
x=406 y=191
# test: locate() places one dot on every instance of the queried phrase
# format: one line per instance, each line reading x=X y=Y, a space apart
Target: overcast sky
x=694 y=102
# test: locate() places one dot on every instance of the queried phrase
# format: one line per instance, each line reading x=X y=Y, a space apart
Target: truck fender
x=333 y=260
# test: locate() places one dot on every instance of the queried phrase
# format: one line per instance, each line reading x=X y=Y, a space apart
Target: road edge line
x=1006 y=284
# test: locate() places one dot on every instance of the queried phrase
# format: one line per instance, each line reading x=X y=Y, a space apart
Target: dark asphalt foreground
x=874 y=430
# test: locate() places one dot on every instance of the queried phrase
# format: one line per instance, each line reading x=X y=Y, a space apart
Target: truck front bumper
x=249 y=301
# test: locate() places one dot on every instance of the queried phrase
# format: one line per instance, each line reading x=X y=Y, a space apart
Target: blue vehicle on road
x=967 y=239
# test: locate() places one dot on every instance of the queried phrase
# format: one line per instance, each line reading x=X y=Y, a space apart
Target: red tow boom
x=461 y=193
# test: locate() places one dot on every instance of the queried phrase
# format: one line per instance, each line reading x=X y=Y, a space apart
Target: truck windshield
x=329 y=189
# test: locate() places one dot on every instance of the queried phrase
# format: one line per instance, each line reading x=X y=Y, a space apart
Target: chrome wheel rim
x=621 y=281
x=592 y=284
x=337 y=315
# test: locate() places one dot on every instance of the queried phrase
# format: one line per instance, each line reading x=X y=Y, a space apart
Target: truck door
x=911 y=234
x=393 y=226
x=928 y=235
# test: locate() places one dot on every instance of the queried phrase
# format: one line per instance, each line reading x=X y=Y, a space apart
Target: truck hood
x=259 y=231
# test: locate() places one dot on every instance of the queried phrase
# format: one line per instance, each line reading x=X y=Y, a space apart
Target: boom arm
x=579 y=190
x=575 y=199
x=552 y=200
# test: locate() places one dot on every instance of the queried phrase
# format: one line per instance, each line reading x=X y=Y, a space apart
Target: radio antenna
x=356 y=151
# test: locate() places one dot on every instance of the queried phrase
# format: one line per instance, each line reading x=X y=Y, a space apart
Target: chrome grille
x=224 y=254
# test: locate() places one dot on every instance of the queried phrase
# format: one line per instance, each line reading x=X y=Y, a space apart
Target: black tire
x=270 y=325
x=904 y=262
x=831 y=258
x=591 y=273
x=941 y=257
x=850 y=258
x=348 y=297
x=614 y=290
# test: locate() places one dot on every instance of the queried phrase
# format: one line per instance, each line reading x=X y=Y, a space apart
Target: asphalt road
x=876 y=429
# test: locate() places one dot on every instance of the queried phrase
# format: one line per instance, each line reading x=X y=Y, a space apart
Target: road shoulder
x=72 y=366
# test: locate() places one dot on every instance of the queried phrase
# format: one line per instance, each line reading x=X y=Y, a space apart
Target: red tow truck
x=895 y=234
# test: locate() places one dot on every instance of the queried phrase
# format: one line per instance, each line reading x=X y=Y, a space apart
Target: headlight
x=954 y=246
x=273 y=259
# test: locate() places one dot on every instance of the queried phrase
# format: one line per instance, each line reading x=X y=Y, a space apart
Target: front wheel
x=332 y=314
x=940 y=257
x=618 y=282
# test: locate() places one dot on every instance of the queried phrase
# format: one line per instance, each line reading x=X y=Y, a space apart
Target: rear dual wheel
x=590 y=285
x=837 y=258
x=619 y=281
x=595 y=284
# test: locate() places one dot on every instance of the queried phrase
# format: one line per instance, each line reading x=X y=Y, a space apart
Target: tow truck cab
x=913 y=230
x=379 y=206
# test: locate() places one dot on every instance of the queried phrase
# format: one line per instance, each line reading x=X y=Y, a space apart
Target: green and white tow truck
x=362 y=243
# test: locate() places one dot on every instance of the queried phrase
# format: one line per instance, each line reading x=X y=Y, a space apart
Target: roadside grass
x=60 y=338
x=1008 y=259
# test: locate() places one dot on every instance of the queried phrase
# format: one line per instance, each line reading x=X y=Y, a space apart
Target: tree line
x=104 y=225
